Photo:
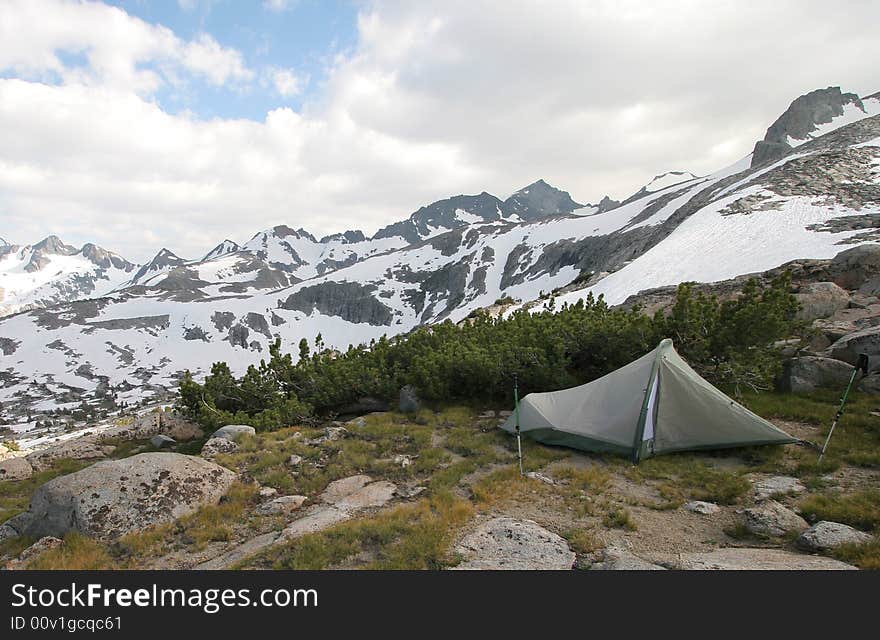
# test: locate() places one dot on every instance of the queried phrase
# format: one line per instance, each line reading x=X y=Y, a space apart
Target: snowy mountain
x=443 y=262
x=227 y=246
x=50 y=272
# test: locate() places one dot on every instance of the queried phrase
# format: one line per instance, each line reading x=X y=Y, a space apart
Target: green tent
x=654 y=405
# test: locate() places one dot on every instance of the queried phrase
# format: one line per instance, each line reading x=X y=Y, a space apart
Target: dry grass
x=77 y=553
x=415 y=536
x=859 y=509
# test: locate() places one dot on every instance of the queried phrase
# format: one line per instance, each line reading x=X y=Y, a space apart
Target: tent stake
x=861 y=365
x=516 y=411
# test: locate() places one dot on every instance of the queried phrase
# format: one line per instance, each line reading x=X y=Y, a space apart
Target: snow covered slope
x=50 y=272
x=442 y=263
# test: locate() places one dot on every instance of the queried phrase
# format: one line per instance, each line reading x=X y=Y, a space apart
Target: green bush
x=728 y=343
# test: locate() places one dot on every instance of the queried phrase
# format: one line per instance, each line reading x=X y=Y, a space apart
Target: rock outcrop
x=739 y=559
x=112 y=498
x=507 y=543
x=827 y=536
x=771 y=519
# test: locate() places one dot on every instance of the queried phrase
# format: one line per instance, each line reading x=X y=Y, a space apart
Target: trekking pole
x=516 y=413
x=861 y=365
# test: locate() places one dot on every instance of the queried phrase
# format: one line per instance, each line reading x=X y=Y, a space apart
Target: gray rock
x=280 y=506
x=409 y=400
x=826 y=536
x=234 y=432
x=112 y=498
x=744 y=559
x=162 y=441
x=820 y=300
x=338 y=489
x=855 y=267
x=870 y=384
x=240 y=552
x=771 y=519
x=15 y=469
x=615 y=558
x=409 y=492
x=350 y=301
x=294 y=460
x=216 y=446
x=507 y=543
x=777 y=486
x=335 y=433
x=808 y=373
x=850 y=346
x=316 y=519
x=83 y=448
x=540 y=477
x=7 y=532
x=268 y=492
x=703 y=508
x=375 y=494
x=403 y=460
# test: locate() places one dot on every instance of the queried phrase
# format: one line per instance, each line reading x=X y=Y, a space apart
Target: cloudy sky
x=145 y=123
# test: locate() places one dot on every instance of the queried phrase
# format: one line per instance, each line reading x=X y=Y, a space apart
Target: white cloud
x=286 y=82
x=218 y=64
x=120 y=51
x=435 y=99
x=278 y=5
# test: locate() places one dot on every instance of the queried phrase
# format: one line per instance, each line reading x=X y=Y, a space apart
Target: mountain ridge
x=817 y=200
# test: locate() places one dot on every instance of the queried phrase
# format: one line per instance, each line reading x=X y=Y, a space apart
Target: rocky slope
x=448 y=259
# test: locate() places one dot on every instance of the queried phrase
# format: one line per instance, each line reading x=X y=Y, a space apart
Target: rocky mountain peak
x=445 y=215
x=105 y=259
x=48 y=246
x=607 y=204
x=346 y=237
x=539 y=200
x=53 y=245
x=809 y=116
x=222 y=249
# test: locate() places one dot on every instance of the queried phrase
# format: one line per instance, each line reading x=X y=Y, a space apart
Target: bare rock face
x=282 y=505
x=849 y=347
x=735 y=559
x=820 y=300
x=507 y=543
x=808 y=373
x=616 y=558
x=826 y=536
x=112 y=498
x=344 y=487
x=857 y=267
x=870 y=384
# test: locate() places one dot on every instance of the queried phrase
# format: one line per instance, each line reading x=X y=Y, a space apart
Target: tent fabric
x=657 y=404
